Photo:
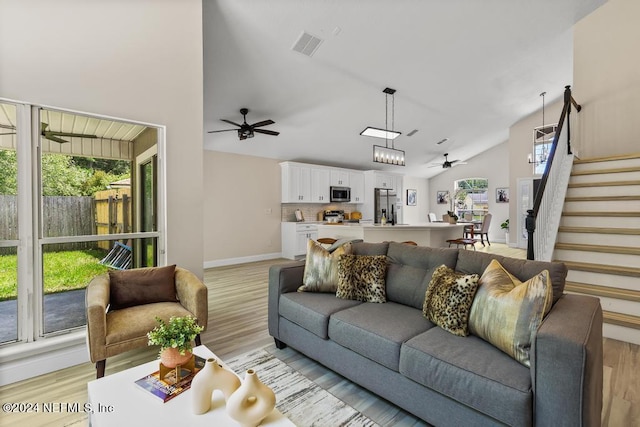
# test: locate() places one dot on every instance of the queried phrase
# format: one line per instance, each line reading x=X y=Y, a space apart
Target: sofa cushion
x=321 y=267
x=364 y=248
x=128 y=288
x=507 y=312
x=476 y=262
x=448 y=300
x=377 y=331
x=472 y=372
x=312 y=310
x=361 y=277
x=410 y=269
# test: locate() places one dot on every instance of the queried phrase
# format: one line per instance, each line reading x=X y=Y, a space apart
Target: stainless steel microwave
x=340 y=194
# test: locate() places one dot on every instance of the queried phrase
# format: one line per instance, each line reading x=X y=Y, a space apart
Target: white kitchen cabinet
x=296 y=183
x=340 y=177
x=356 y=182
x=295 y=236
x=320 y=183
x=384 y=180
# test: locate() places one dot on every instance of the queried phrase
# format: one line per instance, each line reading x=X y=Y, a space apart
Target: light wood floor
x=238 y=322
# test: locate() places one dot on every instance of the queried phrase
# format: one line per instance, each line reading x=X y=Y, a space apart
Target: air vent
x=307 y=44
x=413 y=132
x=442 y=141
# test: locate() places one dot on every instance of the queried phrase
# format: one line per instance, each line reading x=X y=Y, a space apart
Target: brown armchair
x=119 y=316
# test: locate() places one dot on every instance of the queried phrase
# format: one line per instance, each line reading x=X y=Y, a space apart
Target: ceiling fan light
x=380 y=133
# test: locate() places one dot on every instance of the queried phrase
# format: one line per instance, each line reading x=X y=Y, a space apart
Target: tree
x=8 y=172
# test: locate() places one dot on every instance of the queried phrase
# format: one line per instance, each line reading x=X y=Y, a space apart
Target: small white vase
x=251 y=402
x=211 y=377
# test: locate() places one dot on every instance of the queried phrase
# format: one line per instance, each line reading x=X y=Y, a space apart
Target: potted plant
x=174 y=339
x=453 y=218
x=505 y=226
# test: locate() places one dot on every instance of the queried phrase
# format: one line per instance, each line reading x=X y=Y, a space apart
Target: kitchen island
x=433 y=234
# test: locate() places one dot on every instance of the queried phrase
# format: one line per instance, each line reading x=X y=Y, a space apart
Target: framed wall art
x=442 y=197
x=502 y=195
x=412 y=197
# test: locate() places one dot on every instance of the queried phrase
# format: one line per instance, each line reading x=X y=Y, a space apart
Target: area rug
x=305 y=403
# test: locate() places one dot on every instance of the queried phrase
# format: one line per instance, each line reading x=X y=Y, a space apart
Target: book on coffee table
x=169 y=387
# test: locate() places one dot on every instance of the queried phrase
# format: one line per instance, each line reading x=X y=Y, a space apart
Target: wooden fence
x=72 y=216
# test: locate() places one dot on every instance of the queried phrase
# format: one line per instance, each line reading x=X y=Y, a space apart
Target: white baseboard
x=241 y=260
x=48 y=356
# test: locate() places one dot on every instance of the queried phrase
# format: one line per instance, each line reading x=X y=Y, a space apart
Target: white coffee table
x=115 y=400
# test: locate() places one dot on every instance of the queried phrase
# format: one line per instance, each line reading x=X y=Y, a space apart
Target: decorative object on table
x=505 y=226
x=442 y=197
x=175 y=340
x=412 y=197
x=173 y=383
x=387 y=154
x=212 y=377
x=452 y=217
x=251 y=402
x=502 y=195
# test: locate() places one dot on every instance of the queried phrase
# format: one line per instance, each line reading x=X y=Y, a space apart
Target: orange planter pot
x=171 y=357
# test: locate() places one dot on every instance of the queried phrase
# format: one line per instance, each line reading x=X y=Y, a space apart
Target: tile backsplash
x=312 y=211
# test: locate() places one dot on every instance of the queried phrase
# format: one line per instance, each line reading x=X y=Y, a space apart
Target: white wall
x=139 y=60
x=606 y=75
x=241 y=208
x=416 y=214
x=493 y=165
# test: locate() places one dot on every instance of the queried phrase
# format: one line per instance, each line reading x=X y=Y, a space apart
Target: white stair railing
x=550 y=212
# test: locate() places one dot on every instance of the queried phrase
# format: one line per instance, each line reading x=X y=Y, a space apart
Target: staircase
x=599 y=239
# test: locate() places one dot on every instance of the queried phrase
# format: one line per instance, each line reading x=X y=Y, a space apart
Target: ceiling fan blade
x=69 y=134
x=55 y=139
x=224 y=130
x=438 y=165
x=267 y=132
x=262 y=123
x=231 y=123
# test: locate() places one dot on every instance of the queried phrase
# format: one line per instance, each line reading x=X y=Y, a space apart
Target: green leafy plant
x=505 y=225
x=178 y=333
x=452 y=215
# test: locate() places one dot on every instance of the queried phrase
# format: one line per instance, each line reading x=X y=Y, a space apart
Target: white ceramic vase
x=251 y=402
x=211 y=377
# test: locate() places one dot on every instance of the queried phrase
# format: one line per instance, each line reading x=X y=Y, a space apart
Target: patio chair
x=122 y=307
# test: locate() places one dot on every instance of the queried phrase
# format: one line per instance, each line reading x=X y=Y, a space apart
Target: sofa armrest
x=96 y=301
x=193 y=295
x=283 y=278
x=566 y=364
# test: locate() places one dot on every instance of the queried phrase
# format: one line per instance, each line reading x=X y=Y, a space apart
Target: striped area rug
x=302 y=401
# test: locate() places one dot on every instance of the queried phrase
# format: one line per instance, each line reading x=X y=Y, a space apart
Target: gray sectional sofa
x=446 y=380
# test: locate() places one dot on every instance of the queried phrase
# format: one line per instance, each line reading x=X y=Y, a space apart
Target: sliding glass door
x=70 y=209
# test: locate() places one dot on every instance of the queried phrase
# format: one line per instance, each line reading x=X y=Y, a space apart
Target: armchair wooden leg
x=100 y=365
x=198 y=340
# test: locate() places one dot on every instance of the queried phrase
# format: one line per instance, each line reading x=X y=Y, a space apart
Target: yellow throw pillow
x=321 y=268
x=507 y=313
x=448 y=299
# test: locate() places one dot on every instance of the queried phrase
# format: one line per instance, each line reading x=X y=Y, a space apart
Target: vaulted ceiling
x=464 y=70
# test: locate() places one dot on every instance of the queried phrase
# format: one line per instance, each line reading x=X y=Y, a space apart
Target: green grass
x=63 y=271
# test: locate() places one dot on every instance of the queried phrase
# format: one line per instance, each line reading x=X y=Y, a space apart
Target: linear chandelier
x=539 y=156
x=387 y=154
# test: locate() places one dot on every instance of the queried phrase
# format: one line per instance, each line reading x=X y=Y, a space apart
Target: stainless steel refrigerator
x=385 y=201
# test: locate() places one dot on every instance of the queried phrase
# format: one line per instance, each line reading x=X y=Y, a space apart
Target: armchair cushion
x=139 y=286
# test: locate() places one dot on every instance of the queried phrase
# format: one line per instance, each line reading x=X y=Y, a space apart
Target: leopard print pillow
x=448 y=299
x=362 y=278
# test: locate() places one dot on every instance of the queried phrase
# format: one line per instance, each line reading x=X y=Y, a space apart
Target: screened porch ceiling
x=114 y=139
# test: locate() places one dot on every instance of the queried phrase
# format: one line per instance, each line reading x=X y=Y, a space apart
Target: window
x=71 y=200
x=471 y=198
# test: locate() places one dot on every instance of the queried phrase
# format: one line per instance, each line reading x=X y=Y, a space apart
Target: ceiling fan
x=246 y=130
x=447 y=164
x=49 y=134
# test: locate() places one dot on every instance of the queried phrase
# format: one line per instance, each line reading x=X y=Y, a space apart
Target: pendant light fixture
x=387 y=154
x=540 y=138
